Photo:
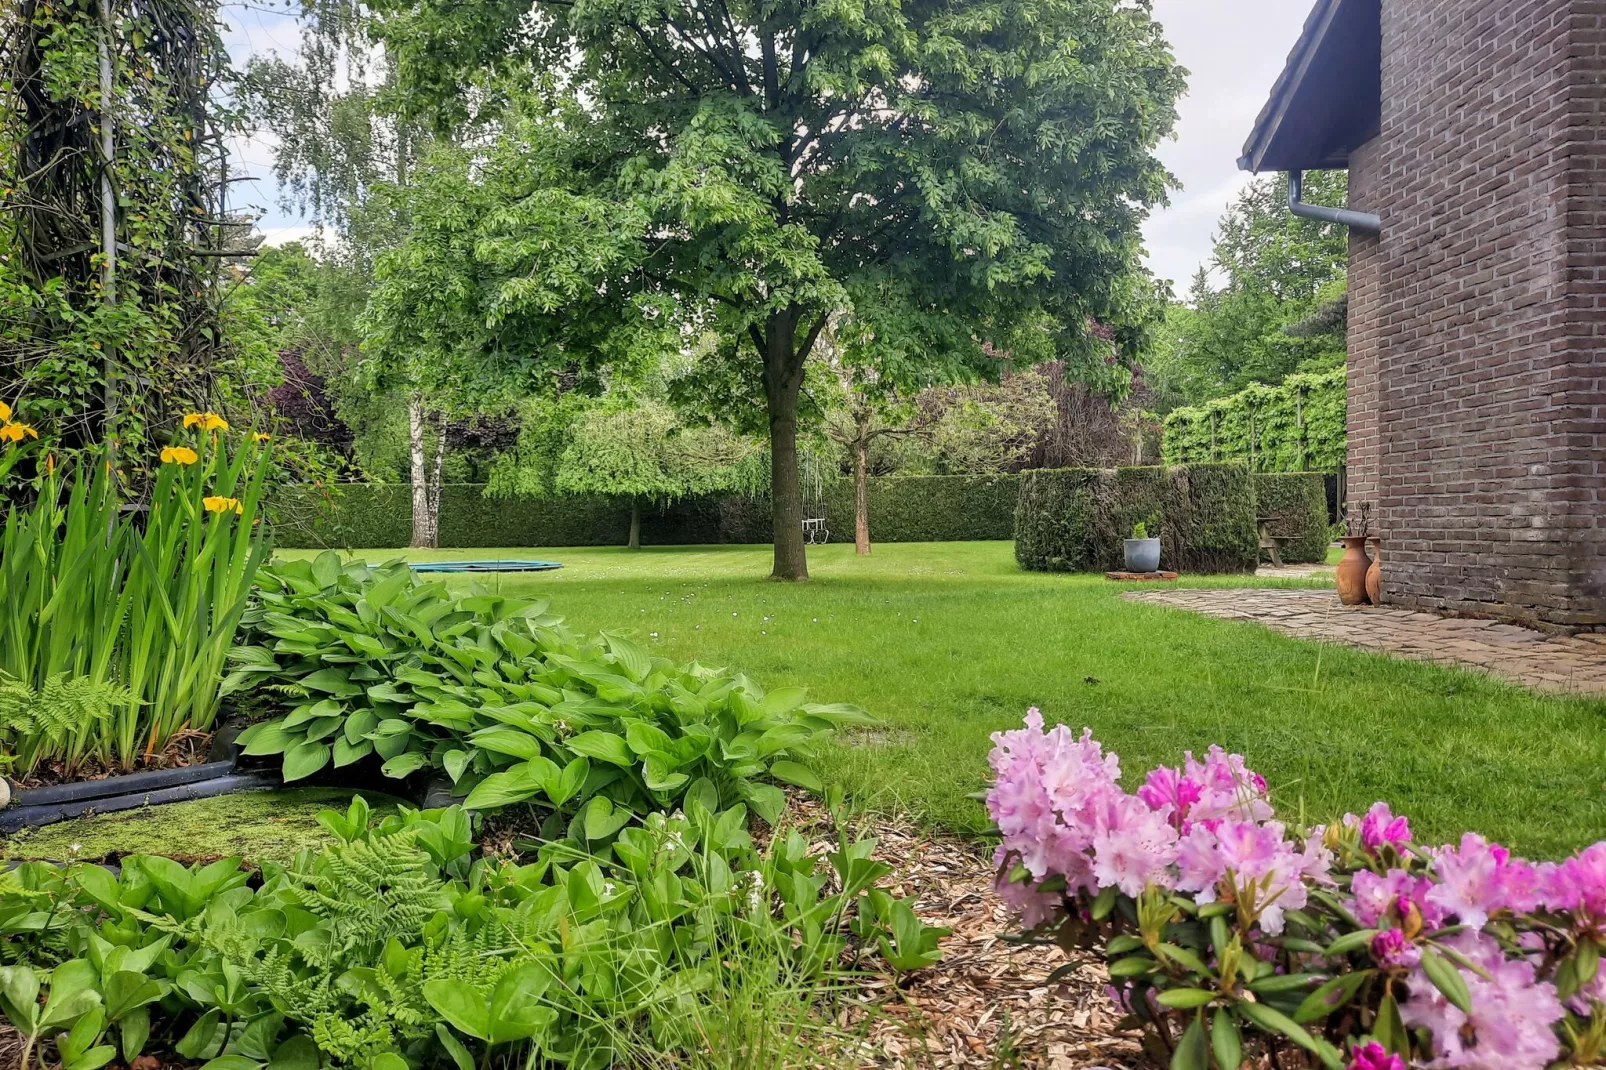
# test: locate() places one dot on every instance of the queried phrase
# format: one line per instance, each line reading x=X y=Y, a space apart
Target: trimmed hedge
x=1296 y=502
x=902 y=509
x=1075 y=519
x=1295 y=426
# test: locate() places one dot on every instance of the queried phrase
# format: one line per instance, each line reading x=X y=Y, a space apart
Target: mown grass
x=947 y=643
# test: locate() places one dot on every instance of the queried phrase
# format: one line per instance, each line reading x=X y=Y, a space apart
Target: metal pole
x=108 y=215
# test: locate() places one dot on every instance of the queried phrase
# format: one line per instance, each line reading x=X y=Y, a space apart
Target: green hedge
x=1296 y=503
x=902 y=509
x=1075 y=519
x=1296 y=426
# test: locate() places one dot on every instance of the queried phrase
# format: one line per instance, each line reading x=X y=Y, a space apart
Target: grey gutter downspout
x=1344 y=217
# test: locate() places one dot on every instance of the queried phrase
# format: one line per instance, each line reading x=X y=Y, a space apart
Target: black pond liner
x=228 y=772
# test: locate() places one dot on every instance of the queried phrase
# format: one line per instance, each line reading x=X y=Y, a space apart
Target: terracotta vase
x=1374 y=575
x=1351 y=574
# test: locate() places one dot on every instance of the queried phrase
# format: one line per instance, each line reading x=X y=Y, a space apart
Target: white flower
x=607 y=888
x=75 y=848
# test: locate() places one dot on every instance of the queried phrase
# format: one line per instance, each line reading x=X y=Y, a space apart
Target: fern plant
x=62 y=719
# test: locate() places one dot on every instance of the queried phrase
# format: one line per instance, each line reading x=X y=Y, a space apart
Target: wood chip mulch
x=988 y=1003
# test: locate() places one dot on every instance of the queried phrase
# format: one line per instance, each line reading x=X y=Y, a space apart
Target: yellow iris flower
x=5 y=412
x=207 y=421
x=13 y=432
x=261 y=436
x=219 y=504
x=179 y=455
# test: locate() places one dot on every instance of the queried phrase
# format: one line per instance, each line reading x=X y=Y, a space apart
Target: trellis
x=114 y=221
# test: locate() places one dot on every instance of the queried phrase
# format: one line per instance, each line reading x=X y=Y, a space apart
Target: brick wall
x=1477 y=316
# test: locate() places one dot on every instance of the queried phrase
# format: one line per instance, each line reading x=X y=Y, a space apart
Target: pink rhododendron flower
x=1134 y=847
x=1380 y=828
x=1511 y=1026
x=1227 y=789
x=1373 y=1056
x=1578 y=885
x=1168 y=792
x=1258 y=858
x=1373 y=896
x=1479 y=878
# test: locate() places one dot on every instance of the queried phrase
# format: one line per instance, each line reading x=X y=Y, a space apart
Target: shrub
x=1296 y=503
x=1074 y=519
x=1232 y=935
x=1296 y=426
x=902 y=509
x=396 y=947
x=509 y=703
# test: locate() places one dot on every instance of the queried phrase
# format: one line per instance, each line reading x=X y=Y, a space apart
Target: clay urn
x=1350 y=576
x=1374 y=575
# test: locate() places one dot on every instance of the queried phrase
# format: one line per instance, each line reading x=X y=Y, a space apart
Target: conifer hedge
x=902 y=509
x=1075 y=519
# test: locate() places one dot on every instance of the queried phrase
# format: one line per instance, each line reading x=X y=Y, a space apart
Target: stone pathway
x=1520 y=655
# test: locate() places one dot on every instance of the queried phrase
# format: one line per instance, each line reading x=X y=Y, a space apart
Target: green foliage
x=1296 y=426
x=44 y=722
x=904 y=509
x=1281 y=309
x=510 y=704
x=958 y=183
x=148 y=610
x=1074 y=519
x=161 y=338
x=397 y=946
x=1296 y=503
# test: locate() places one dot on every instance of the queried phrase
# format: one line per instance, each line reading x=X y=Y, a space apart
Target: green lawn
x=948 y=643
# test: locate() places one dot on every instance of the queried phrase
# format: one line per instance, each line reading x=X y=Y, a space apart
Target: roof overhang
x=1328 y=100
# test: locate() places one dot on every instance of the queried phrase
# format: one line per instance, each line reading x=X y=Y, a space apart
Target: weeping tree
x=114 y=225
x=970 y=176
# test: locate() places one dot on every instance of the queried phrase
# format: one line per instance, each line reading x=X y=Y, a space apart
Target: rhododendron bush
x=1240 y=940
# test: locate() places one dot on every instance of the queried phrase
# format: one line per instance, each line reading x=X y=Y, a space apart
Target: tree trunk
x=783 y=377
x=422 y=535
x=435 y=484
x=861 y=488
x=635 y=523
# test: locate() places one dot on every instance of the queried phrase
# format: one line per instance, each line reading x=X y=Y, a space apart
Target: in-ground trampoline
x=485 y=566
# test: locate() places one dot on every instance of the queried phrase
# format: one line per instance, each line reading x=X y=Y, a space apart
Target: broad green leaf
x=460 y=1004
x=631 y=659
x=304 y=759
x=269 y=737
x=1185 y=998
x=298 y=1052
x=345 y=753
x=784 y=700
x=503 y=789
x=1193 y=1049
x=796 y=774
x=1226 y=1041
x=602 y=747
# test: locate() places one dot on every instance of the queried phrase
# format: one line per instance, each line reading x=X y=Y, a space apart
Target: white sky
x=1234 y=49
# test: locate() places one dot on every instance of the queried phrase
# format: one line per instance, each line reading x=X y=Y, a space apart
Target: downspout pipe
x=1344 y=217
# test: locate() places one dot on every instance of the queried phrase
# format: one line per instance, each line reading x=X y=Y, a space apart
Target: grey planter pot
x=1142 y=555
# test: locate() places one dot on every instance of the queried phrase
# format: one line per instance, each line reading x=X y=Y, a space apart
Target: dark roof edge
x=1271 y=117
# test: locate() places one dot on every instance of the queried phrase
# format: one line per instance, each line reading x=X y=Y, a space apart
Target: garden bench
x=1271 y=542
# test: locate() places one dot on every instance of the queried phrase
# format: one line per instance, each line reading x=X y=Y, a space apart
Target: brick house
x=1474 y=133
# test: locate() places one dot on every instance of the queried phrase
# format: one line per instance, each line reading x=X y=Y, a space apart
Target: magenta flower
x=1393 y=951
x=1578 y=885
x=1373 y=1056
x=1380 y=828
x=1167 y=791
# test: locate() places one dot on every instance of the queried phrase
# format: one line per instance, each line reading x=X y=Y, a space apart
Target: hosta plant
x=509 y=703
x=1238 y=940
x=396 y=947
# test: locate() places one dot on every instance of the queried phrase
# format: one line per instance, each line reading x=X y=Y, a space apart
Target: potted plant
x=1142 y=552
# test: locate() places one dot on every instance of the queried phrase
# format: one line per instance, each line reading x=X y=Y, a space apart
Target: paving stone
x=1522 y=656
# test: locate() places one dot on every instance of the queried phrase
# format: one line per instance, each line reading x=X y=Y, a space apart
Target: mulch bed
x=187 y=748
x=988 y=1002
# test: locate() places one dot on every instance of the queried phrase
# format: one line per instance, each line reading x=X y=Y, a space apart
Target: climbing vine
x=1296 y=426
x=117 y=253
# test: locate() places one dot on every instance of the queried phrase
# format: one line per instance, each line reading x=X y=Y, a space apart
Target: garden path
x=1575 y=666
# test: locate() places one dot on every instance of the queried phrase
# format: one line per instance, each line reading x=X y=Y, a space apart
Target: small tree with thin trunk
x=867 y=408
x=637 y=450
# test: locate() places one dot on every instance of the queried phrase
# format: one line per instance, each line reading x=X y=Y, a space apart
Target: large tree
x=966 y=177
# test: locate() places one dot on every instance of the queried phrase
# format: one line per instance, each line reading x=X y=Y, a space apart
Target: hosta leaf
x=507 y=740
x=304 y=759
x=644 y=738
x=630 y=658
x=603 y=747
x=269 y=737
x=331 y=681
x=503 y=789
x=797 y=774
x=347 y=752
x=455 y=761
x=782 y=737
x=784 y=700
x=359 y=724
x=404 y=765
